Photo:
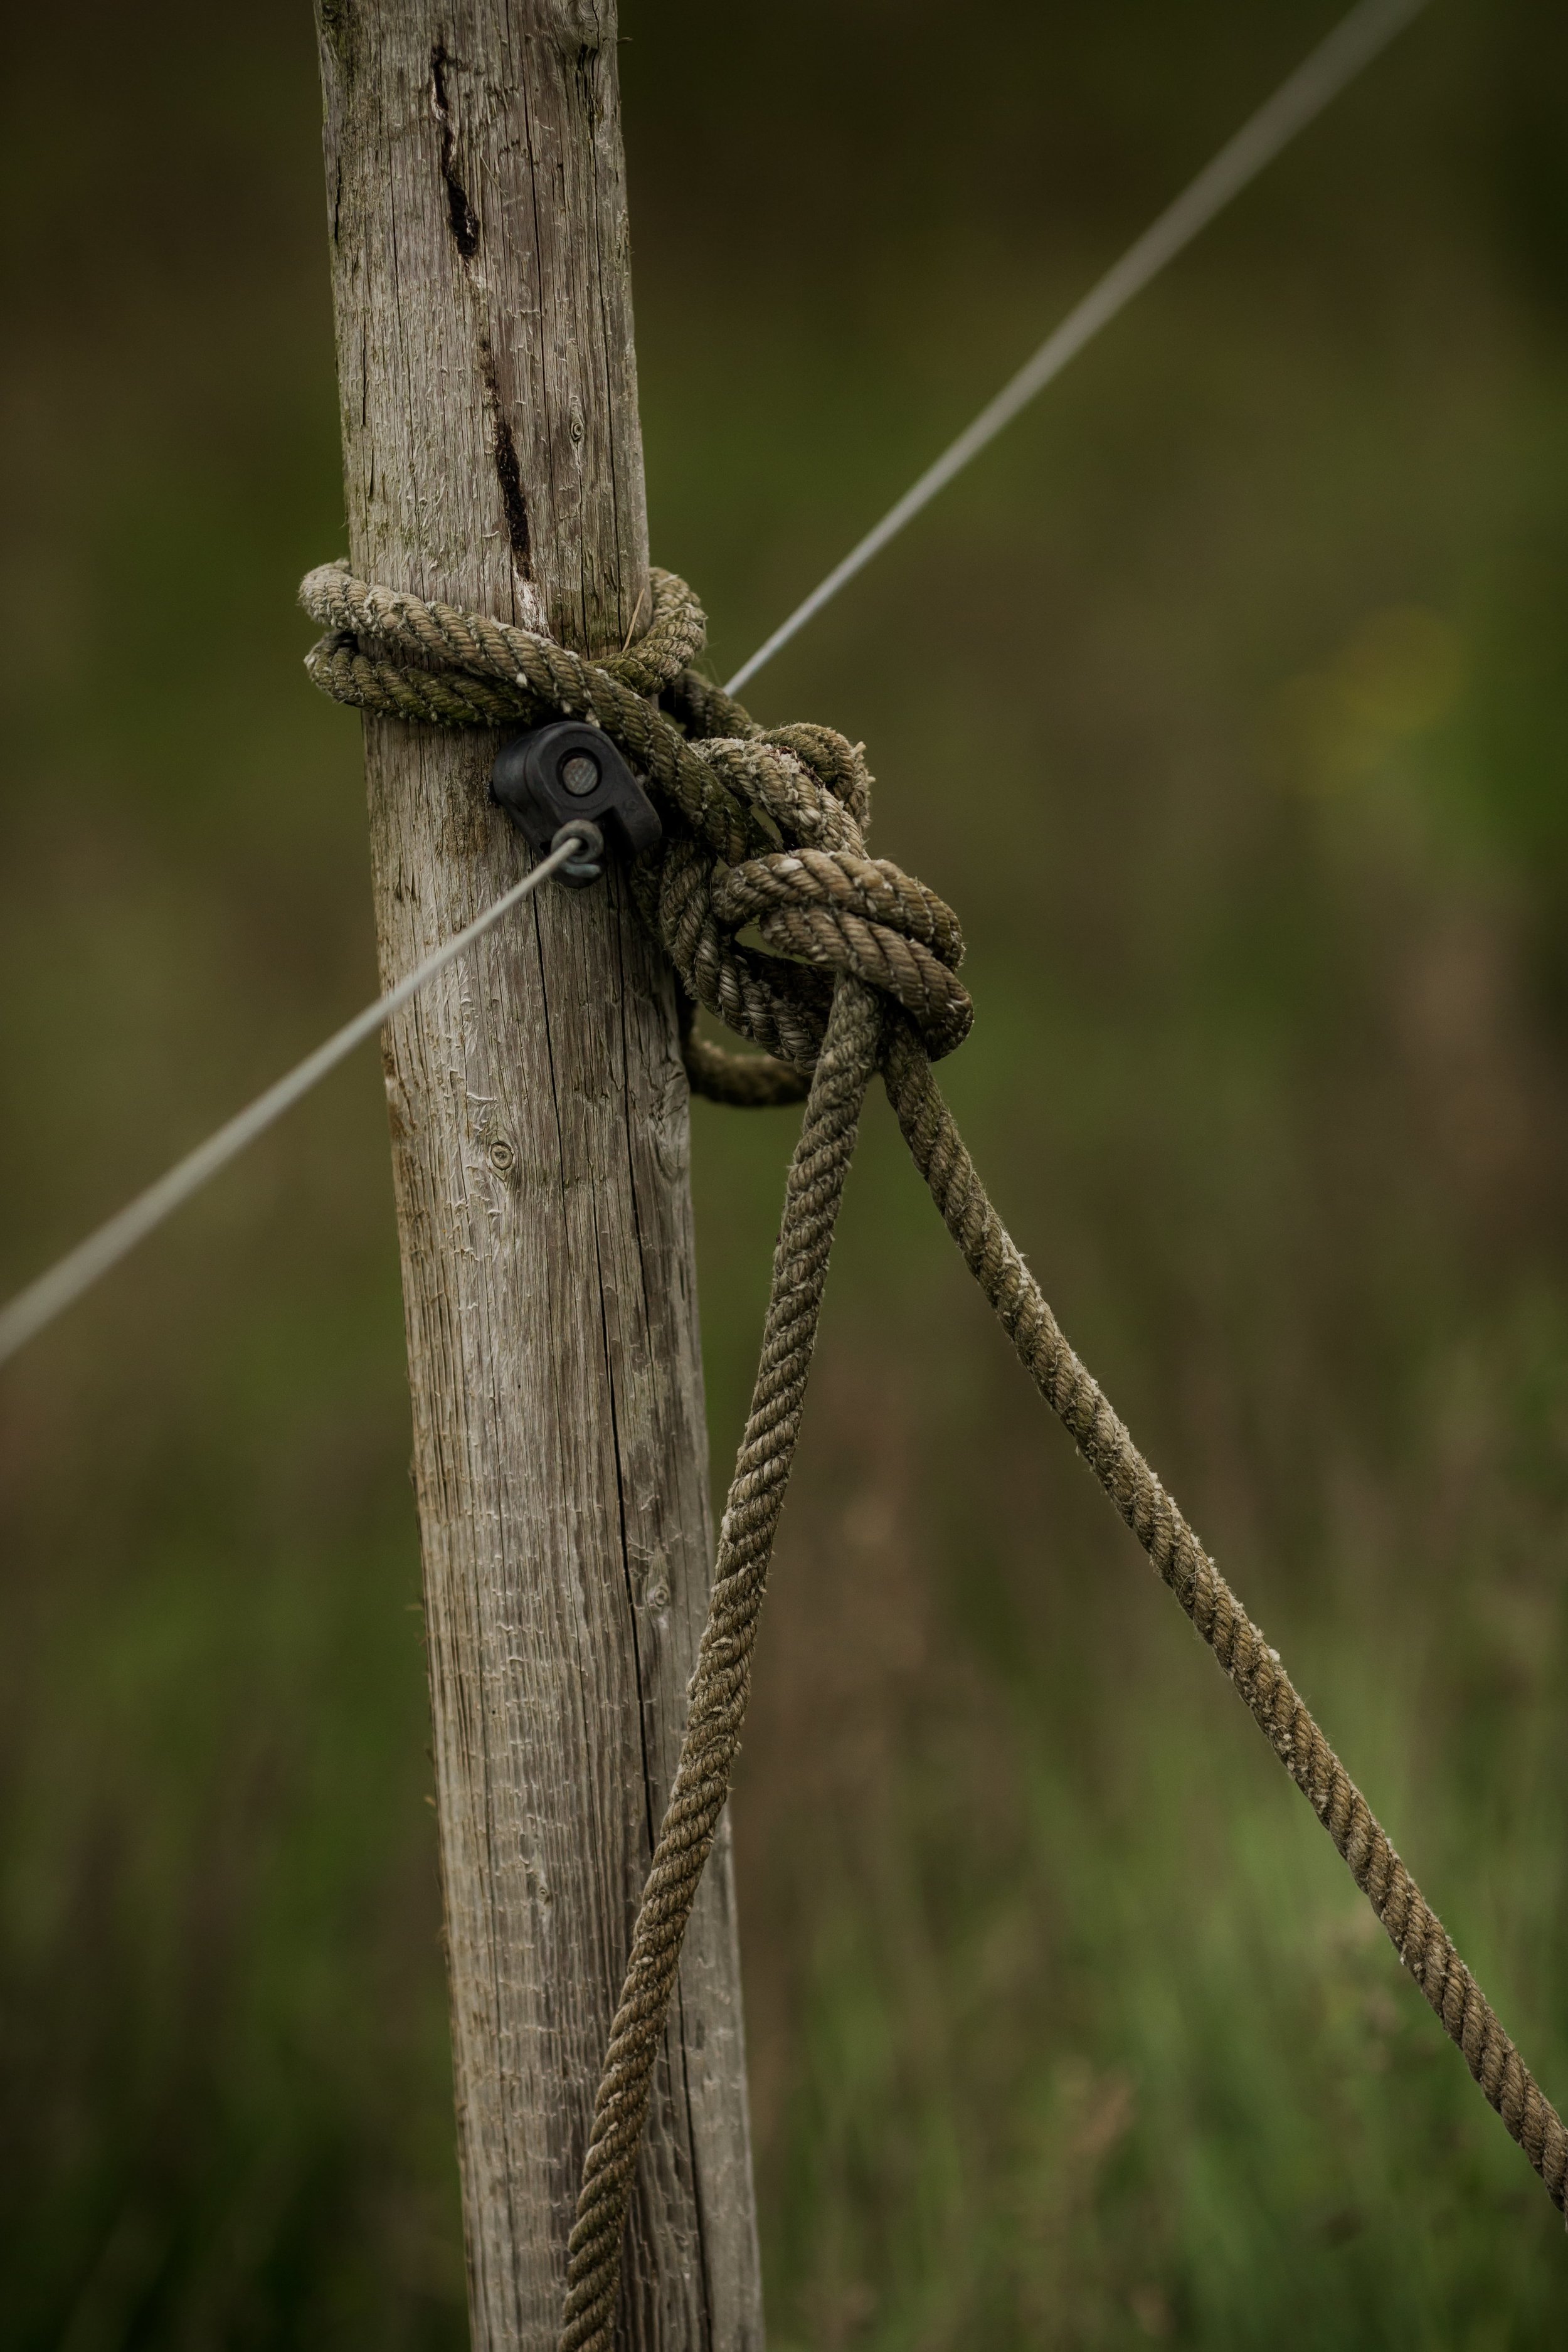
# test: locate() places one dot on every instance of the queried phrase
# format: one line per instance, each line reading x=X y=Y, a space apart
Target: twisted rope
x=1413 y=1928
x=766 y=828
x=721 y=1684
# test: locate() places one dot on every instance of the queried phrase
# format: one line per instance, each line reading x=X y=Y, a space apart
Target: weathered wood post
x=492 y=456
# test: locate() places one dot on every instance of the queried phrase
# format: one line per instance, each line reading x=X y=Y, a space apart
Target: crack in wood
x=508 y=472
x=463 y=219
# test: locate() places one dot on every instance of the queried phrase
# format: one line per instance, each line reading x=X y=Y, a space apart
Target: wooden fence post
x=493 y=457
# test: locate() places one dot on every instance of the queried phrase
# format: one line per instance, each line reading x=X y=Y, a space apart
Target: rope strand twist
x=761 y=825
x=857 y=974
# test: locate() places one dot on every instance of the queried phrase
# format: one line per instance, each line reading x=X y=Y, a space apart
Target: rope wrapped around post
x=764 y=826
x=767 y=827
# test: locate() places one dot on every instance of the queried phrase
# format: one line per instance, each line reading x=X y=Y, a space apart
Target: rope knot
x=764 y=828
x=843 y=911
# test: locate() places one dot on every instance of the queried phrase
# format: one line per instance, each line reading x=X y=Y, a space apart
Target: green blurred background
x=1227 y=700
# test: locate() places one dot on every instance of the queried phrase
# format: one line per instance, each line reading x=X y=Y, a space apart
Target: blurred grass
x=1227 y=700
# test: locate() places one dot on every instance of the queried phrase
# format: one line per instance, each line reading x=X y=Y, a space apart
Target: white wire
x=53 y=1292
x=1353 y=43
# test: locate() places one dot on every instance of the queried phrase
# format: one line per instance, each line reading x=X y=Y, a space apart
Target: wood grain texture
x=492 y=456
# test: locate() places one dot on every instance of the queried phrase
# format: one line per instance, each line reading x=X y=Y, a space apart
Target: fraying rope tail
x=767 y=828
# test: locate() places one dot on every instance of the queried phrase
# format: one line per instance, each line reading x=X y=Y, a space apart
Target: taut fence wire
x=1352 y=45
x=1355 y=40
x=33 y=1309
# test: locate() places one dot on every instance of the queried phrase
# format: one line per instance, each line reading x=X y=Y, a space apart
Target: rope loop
x=764 y=828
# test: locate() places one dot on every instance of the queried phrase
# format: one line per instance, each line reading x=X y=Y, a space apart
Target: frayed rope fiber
x=767 y=827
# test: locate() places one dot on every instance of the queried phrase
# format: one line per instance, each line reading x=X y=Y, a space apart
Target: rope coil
x=761 y=825
x=767 y=827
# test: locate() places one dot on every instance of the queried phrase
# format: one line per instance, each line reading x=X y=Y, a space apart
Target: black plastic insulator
x=589 y=862
x=568 y=771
